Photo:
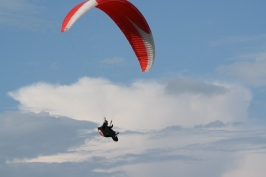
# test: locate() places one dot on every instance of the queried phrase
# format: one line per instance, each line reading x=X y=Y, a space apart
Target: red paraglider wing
x=134 y=26
x=128 y=18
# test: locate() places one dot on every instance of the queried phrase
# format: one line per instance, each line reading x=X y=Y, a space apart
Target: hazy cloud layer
x=250 y=165
x=58 y=147
x=110 y=61
x=142 y=105
x=238 y=39
x=28 y=135
x=188 y=85
x=249 y=68
x=21 y=13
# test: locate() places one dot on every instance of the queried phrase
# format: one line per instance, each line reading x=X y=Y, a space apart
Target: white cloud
x=211 y=167
x=34 y=143
x=250 y=69
x=143 y=105
x=168 y=152
x=250 y=165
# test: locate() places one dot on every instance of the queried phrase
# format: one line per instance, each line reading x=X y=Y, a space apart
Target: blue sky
x=207 y=85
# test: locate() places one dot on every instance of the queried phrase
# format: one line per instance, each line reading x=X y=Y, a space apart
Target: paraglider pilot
x=106 y=130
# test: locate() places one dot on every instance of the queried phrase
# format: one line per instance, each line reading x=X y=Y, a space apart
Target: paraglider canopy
x=130 y=21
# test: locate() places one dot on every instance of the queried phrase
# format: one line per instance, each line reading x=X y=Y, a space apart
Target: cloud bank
x=192 y=125
x=41 y=145
x=142 y=105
